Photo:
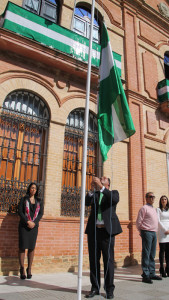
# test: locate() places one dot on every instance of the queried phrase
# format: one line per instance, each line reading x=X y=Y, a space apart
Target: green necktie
x=99 y=216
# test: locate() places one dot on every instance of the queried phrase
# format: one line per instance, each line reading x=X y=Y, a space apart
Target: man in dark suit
x=102 y=226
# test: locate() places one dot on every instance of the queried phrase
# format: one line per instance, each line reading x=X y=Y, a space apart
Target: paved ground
x=63 y=286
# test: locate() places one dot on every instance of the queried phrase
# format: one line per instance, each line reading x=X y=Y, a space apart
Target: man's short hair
x=109 y=181
x=147 y=194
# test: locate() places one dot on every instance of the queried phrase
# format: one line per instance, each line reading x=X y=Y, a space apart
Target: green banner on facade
x=25 y=23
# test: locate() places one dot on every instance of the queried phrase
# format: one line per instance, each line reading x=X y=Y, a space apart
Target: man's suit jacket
x=109 y=216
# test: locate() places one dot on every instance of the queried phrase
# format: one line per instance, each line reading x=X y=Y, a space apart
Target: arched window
x=49 y=9
x=166 y=64
x=24 y=125
x=81 y=25
x=72 y=160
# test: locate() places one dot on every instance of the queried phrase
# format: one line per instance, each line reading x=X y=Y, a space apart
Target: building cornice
x=152 y=138
x=54 y=59
x=135 y=96
x=142 y=99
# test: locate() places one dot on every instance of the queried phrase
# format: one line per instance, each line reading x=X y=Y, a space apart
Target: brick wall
x=4 y=3
x=57 y=245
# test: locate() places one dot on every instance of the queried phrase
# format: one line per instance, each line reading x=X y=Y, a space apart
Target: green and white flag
x=163 y=90
x=114 y=119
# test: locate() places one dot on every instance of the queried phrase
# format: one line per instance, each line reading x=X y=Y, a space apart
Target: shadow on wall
x=130 y=261
x=9 y=244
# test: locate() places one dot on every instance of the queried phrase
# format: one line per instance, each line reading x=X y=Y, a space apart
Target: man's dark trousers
x=101 y=243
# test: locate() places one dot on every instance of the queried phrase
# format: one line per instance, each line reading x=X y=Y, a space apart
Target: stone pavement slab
x=63 y=286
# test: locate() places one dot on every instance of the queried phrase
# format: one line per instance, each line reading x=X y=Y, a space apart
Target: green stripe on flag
x=162 y=83
x=114 y=119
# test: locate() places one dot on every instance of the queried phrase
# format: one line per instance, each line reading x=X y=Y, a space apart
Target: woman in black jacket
x=30 y=210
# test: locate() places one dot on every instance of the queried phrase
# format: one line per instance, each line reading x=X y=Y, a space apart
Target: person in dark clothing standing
x=30 y=210
x=102 y=226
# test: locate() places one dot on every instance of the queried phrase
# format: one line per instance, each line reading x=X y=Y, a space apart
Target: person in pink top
x=147 y=225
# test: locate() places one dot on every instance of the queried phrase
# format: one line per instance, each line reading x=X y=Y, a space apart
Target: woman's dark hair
x=160 y=205
x=29 y=187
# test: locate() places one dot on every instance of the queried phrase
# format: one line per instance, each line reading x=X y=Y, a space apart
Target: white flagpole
x=84 y=161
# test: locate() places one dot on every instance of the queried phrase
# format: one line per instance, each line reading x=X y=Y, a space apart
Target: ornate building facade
x=44 y=54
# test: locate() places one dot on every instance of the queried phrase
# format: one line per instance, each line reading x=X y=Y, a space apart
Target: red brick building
x=43 y=53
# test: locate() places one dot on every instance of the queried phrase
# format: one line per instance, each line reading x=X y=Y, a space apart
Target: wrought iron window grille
x=72 y=161
x=24 y=123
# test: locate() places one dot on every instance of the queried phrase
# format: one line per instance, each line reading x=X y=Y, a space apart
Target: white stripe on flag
x=107 y=62
x=163 y=90
x=118 y=63
x=119 y=133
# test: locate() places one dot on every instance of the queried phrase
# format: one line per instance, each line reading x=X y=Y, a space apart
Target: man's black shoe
x=92 y=294
x=110 y=296
x=156 y=277
x=147 y=280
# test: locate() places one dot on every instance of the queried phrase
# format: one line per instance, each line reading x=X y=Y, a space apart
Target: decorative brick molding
x=151 y=123
x=150 y=67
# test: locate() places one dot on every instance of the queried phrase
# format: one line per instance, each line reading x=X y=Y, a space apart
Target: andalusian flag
x=114 y=119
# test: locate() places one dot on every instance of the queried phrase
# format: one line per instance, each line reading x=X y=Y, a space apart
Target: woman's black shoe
x=22 y=275
x=29 y=276
x=162 y=272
